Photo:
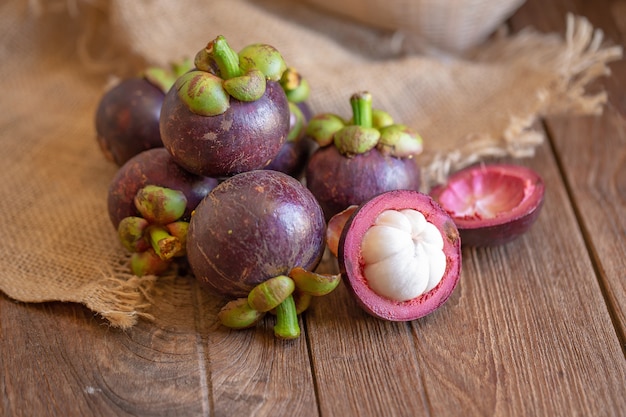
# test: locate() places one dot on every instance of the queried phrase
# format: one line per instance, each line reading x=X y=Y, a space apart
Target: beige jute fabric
x=58 y=57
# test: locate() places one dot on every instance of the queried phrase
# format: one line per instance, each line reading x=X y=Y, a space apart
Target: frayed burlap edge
x=575 y=64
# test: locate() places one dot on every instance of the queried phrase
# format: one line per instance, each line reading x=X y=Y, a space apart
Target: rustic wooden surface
x=536 y=327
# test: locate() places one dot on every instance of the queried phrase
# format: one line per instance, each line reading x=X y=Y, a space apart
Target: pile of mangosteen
x=223 y=167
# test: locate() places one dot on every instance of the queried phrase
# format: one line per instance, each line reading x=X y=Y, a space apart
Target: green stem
x=164 y=244
x=226 y=58
x=362 y=109
x=287 y=320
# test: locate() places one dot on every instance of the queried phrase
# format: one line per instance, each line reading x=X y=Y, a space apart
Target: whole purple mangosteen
x=252 y=227
x=361 y=158
x=230 y=114
x=127 y=116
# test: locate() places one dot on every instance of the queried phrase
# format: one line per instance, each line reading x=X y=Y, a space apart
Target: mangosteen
x=492 y=204
x=361 y=158
x=251 y=227
x=153 y=167
x=400 y=255
x=257 y=237
x=228 y=115
x=127 y=117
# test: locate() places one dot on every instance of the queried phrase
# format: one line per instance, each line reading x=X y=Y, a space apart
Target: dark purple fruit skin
x=338 y=181
x=293 y=157
x=127 y=119
x=153 y=167
x=251 y=227
x=246 y=137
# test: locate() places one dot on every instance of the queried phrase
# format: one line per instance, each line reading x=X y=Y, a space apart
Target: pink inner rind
x=351 y=262
x=507 y=192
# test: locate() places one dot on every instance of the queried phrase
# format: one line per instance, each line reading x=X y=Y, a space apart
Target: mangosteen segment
x=492 y=204
x=403 y=255
x=400 y=255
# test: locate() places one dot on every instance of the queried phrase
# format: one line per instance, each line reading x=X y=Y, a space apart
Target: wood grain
x=591 y=151
x=535 y=328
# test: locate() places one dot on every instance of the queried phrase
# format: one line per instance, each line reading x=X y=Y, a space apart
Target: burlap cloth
x=58 y=56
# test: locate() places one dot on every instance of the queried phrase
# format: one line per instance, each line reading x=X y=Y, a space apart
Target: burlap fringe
x=121 y=297
x=580 y=60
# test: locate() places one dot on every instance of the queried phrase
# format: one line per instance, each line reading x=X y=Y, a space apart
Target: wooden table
x=536 y=327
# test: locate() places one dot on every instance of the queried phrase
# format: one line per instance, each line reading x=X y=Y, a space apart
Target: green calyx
x=354 y=140
x=248 y=87
x=285 y=296
x=271 y=293
x=147 y=263
x=237 y=314
x=399 y=141
x=203 y=93
x=164 y=78
x=158 y=235
x=160 y=205
x=131 y=232
x=222 y=73
x=367 y=129
x=295 y=87
x=264 y=57
x=314 y=284
x=322 y=128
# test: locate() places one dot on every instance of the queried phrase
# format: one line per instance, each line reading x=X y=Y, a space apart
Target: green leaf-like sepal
x=263 y=57
x=399 y=141
x=203 y=93
x=354 y=140
x=248 y=87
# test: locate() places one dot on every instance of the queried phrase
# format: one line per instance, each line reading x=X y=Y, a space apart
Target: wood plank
x=59 y=360
x=592 y=154
x=525 y=333
x=535 y=337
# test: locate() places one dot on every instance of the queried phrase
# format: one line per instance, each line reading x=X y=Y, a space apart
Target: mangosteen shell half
x=338 y=181
x=153 y=167
x=492 y=204
x=251 y=227
x=246 y=137
x=351 y=262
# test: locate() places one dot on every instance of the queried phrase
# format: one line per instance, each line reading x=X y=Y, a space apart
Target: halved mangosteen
x=492 y=204
x=400 y=255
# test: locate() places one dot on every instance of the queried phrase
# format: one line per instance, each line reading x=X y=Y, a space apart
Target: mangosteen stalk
x=226 y=58
x=362 y=109
x=287 y=326
x=164 y=244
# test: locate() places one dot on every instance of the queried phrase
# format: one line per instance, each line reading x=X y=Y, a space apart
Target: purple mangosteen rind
x=351 y=262
x=127 y=119
x=153 y=167
x=338 y=182
x=508 y=225
x=245 y=137
x=254 y=226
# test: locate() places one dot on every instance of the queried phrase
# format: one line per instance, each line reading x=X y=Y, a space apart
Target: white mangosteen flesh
x=403 y=255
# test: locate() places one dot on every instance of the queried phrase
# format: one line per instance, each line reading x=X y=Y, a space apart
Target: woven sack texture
x=59 y=56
